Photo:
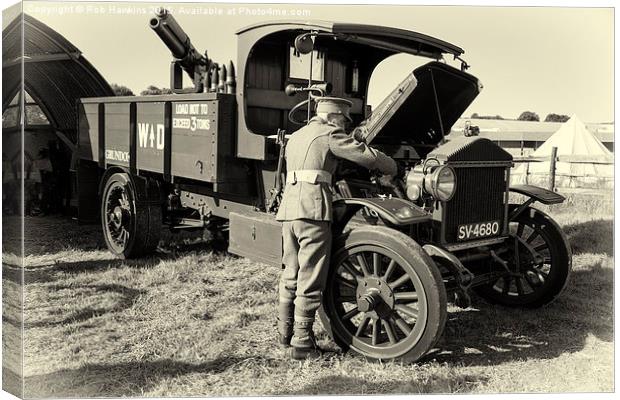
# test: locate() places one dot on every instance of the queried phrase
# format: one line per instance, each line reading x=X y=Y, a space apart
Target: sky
x=540 y=59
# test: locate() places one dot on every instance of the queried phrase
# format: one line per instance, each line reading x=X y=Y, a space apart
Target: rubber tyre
x=414 y=261
x=560 y=266
x=143 y=221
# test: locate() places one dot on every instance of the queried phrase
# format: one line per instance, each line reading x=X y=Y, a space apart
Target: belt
x=308 y=175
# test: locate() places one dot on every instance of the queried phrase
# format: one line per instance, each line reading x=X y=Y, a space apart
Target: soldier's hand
x=360 y=133
x=386 y=181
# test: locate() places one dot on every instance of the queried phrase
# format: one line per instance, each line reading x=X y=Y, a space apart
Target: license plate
x=478 y=230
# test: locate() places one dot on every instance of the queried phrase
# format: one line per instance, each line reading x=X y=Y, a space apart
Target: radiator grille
x=479 y=197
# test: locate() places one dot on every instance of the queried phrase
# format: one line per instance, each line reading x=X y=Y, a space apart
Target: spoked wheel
x=537 y=263
x=130 y=229
x=385 y=298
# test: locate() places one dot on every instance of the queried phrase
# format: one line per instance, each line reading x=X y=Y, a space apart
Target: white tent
x=583 y=161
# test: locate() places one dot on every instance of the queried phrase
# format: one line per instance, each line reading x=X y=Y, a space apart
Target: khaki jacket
x=318 y=146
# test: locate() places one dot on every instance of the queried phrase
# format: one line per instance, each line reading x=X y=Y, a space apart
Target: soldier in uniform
x=312 y=155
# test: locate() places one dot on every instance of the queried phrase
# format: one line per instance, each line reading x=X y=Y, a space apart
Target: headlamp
x=441 y=183
x=437 y=180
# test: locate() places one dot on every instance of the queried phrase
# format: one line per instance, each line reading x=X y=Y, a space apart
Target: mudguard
x=147 y=191
x=393 y=211
x=539 y=194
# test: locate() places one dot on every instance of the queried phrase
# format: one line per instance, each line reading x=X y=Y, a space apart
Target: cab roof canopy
x=345 y=56
x=388 y=38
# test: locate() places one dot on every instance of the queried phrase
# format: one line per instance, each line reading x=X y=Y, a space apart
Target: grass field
x=190 y=321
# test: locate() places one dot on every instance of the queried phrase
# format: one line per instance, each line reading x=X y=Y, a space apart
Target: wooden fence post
x=527 y=172
x=554 y=156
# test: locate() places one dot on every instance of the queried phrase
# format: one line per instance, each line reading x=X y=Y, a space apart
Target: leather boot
x=285 y=323
x=303 y=343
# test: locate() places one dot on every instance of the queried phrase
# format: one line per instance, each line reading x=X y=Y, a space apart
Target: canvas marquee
x=583 y=161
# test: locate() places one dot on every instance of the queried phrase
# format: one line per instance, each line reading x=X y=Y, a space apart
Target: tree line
x=527 y=116
x=151 y=90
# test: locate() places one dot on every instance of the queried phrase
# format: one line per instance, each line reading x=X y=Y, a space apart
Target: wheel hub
x=118 y=216
x=372 y=292
x=522 y=261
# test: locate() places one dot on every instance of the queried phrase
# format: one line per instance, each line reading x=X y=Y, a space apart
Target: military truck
x=210 y=157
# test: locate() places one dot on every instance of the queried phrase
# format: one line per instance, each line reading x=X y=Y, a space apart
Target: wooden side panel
x=181 y=136
x=150 y=143
x=117 y=132
x=88 y=126
x=195 y=140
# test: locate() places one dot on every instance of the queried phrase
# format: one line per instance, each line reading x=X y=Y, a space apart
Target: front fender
x=539 y=194
x=535 y=193
x=393 y=211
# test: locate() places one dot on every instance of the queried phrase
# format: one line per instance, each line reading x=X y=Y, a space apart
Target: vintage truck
x=209 y=157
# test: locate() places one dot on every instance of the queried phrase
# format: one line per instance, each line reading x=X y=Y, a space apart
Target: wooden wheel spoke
x=519 y=284
x=376 y=330
x=405 y=296
x=506 y=287
x=376 y=263
x=389 y=270
x=346 y=299
x=351 y=313
x=403 y=326
x=408 y=311
x=532 y=237
x=345 y=282
x=363 y=325
x=351 y=269
x=399 y=281
x=531 y=282
x=389 y=329
x=542 y=274
x=540 y=247
x=363 y=265
x=346 y=291
x=520 y=230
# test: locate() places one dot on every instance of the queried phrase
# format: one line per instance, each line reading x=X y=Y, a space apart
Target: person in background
x=9 y=201
x=43 y=166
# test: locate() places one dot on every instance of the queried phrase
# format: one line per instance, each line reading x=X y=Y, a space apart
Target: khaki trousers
x=306 y=248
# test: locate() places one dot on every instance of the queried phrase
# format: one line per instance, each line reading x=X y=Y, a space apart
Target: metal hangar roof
x=56 y=73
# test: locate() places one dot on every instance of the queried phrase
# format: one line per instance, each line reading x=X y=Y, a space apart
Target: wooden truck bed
x=189 y=136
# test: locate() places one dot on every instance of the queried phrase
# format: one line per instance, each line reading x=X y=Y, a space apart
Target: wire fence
x=553 y=159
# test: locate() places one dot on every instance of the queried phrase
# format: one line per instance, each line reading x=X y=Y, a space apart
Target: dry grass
x=201 y=323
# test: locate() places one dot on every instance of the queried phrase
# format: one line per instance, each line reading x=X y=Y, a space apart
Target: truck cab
x=343 y=55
